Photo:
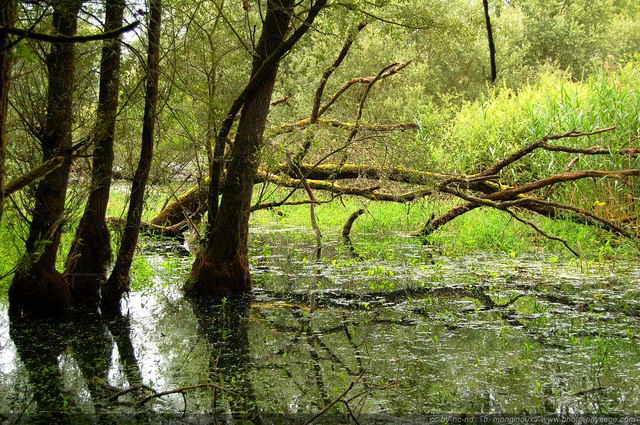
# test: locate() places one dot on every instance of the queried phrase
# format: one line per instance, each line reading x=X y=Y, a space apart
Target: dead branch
x=172 y=231
x=373 y=128
x=182 y=390
x=475 y=203
x=283 y=99
x=312 y=205
x=606 y=224
x=563 y=178
x=534 y=145
x=346 y=232
x=36 y=173
x=346 y=229
x=594 y=150
x=277 y=204
x=338 y=189
x=189 y=202
x=362 y=80
x=436 y=223
x=315 y=113
x=355 y=171
x=69 y=39
x=541 y=232
x=125 y=391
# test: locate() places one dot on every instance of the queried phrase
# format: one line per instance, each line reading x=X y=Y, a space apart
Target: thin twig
x=542 y=232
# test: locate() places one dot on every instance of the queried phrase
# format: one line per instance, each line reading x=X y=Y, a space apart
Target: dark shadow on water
x=89 y=339
x=39 y=344
x=224 y=324
x=119 y=326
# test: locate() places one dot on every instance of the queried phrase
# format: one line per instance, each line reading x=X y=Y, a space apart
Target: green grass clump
x=482 y=132
x=386 y=227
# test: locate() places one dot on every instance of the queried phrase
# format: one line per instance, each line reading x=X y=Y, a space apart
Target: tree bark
x=222 y=267
x=90 y=252
x=8 y=12
x=492 y=46
x=38 y=288
x=118 y=282
x=191 y=202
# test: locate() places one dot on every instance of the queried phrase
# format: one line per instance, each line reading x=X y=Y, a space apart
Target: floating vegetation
x=418 y=335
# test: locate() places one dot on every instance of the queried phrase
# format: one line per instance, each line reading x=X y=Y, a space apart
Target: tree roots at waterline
x=40 y=292
x=218 y=278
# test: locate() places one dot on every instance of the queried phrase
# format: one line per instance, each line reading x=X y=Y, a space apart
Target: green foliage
x=482 y=132
x=385 y=229
x=561 y=66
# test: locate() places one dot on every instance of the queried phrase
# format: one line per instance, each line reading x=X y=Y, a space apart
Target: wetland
x=397 y=338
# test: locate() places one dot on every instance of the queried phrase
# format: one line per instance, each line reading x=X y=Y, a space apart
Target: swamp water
x=352 y=340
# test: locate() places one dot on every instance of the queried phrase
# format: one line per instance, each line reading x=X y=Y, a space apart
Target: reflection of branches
x=183 y=390
x=341 y=397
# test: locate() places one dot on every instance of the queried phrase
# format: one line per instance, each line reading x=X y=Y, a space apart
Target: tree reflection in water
x=224 y=324
x=89 y=341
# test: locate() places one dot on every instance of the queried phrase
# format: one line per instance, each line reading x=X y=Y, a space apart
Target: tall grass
x=482 y=132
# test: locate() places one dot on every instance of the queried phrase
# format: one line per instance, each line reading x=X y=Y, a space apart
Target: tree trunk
x=90 y=253
x=492 y=46
x=118 y=282
x=222 y=267
x=38 y=288
x=8 y=12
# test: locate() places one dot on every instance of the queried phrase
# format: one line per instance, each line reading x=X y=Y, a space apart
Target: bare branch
x=362 y=80
x=69 y=39
x=302 y=124
x=594 y=150
x=315 y=113
x=562 y=178
x=534 y=145
x=33 y=175
x=268 y=205
x=182 y=390
x=354 y=8
x=338 y=189
x=542 y=232
x=608 y=224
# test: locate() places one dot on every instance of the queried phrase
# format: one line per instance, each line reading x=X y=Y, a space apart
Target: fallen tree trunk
x=507 y=198
x=192 y=202
x=356 y=171
x=373 y=193
x=149 y=229
x=480 y=190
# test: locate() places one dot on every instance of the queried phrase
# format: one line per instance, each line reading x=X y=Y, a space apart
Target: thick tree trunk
x=8 y=12
x=118 y=282
x=38 y=288
x=222 y=267
x=90 y=252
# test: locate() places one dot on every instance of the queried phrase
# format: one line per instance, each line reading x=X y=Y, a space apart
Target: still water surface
x=411 y=335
